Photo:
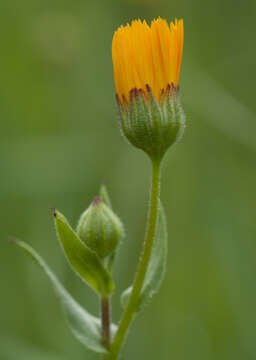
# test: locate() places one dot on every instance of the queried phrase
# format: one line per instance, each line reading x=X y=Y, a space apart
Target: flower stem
x=105 y=321
x=133 y=304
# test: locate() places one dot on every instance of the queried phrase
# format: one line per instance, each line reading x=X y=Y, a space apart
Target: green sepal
x=172 y=107
x=85 y=327
x=152 y=125
x=156 y=268
x=84 y=261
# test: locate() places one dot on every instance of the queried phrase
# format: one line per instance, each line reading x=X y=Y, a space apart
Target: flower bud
x=100 y=229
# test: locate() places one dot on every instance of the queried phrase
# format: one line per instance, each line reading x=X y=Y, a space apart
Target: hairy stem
x=133 y=304
x=105 y=321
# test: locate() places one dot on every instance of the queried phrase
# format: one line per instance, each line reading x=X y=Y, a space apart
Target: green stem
x=133 y=304
x=105 y=321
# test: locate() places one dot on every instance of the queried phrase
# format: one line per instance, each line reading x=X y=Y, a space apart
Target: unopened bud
x=100 y=228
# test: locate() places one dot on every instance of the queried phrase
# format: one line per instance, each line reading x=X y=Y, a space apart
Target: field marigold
x=147 y=61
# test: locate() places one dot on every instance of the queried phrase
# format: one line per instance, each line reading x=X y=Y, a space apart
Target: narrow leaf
x=84 y=261
x=84 y=326
x=104 y=195
x=156 y=268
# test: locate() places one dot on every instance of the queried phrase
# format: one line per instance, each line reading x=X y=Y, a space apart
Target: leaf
x=83 y=260
x=156 y=268
x=104 y=195
x=84 y=326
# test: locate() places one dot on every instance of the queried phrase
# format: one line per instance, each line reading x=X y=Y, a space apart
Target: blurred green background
x=60 y=140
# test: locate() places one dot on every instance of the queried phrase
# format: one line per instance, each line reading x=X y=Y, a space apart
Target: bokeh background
x=59 y=141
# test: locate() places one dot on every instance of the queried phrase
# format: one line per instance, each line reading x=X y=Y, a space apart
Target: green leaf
x=104 y=195
x=84 y=261
x=84 y=326
x=156 y=268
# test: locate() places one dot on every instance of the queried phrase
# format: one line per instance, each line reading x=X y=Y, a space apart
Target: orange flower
x=146 y=55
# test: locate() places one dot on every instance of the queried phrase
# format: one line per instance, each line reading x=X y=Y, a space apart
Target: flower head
x=147 y=61
x=146 y=55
